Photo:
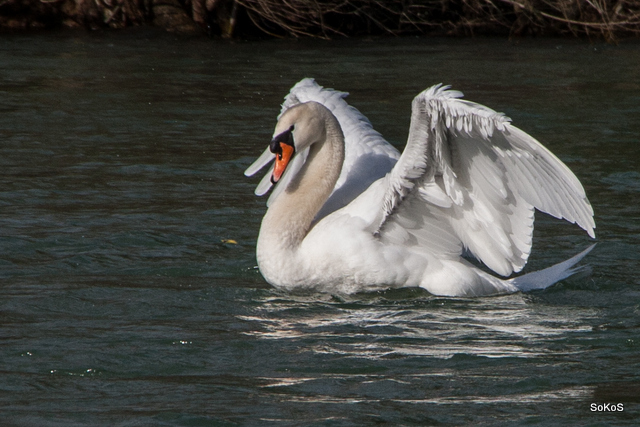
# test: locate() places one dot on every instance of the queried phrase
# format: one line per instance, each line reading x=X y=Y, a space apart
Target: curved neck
x=291 y=214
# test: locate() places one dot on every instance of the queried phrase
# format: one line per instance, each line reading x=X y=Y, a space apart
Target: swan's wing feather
x=265 y=158
x=368 y=156
x=476 y=178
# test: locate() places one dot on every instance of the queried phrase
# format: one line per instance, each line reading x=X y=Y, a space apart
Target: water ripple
x=499 y=327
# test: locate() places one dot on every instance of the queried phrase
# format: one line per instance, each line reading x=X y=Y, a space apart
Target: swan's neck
x=291 y=214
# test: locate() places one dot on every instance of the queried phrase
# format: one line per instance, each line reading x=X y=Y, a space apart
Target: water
x=128 y=289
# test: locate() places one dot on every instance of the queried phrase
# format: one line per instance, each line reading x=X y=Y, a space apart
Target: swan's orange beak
x=283 y=156
x=284 y=149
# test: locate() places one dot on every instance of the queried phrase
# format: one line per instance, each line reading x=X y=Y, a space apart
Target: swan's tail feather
x=544 y=278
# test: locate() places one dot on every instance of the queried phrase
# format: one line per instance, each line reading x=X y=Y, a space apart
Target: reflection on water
x=410 y=349
x=568 y=395
x=508 y=326
x=128 y=288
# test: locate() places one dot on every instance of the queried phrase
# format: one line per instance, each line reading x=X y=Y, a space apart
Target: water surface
x=128 y=288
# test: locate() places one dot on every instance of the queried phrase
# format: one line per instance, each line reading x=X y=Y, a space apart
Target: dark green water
x=124 y=302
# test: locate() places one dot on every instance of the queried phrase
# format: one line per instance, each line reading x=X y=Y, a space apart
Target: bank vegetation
x=603 y=19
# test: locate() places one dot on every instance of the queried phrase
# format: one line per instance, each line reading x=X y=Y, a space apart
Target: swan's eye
x=285 y=138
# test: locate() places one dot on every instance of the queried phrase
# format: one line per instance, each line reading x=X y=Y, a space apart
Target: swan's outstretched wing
x=368 y=156
x=469 y=179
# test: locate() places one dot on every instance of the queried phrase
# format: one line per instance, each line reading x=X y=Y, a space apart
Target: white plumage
x=468 y=180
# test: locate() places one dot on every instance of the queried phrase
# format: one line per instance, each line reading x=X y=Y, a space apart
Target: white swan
x=350 y=214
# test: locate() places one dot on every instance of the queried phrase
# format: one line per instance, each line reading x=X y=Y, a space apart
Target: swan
x=349 y=213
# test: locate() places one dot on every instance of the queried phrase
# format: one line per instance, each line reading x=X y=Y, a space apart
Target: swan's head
x=298 y=128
